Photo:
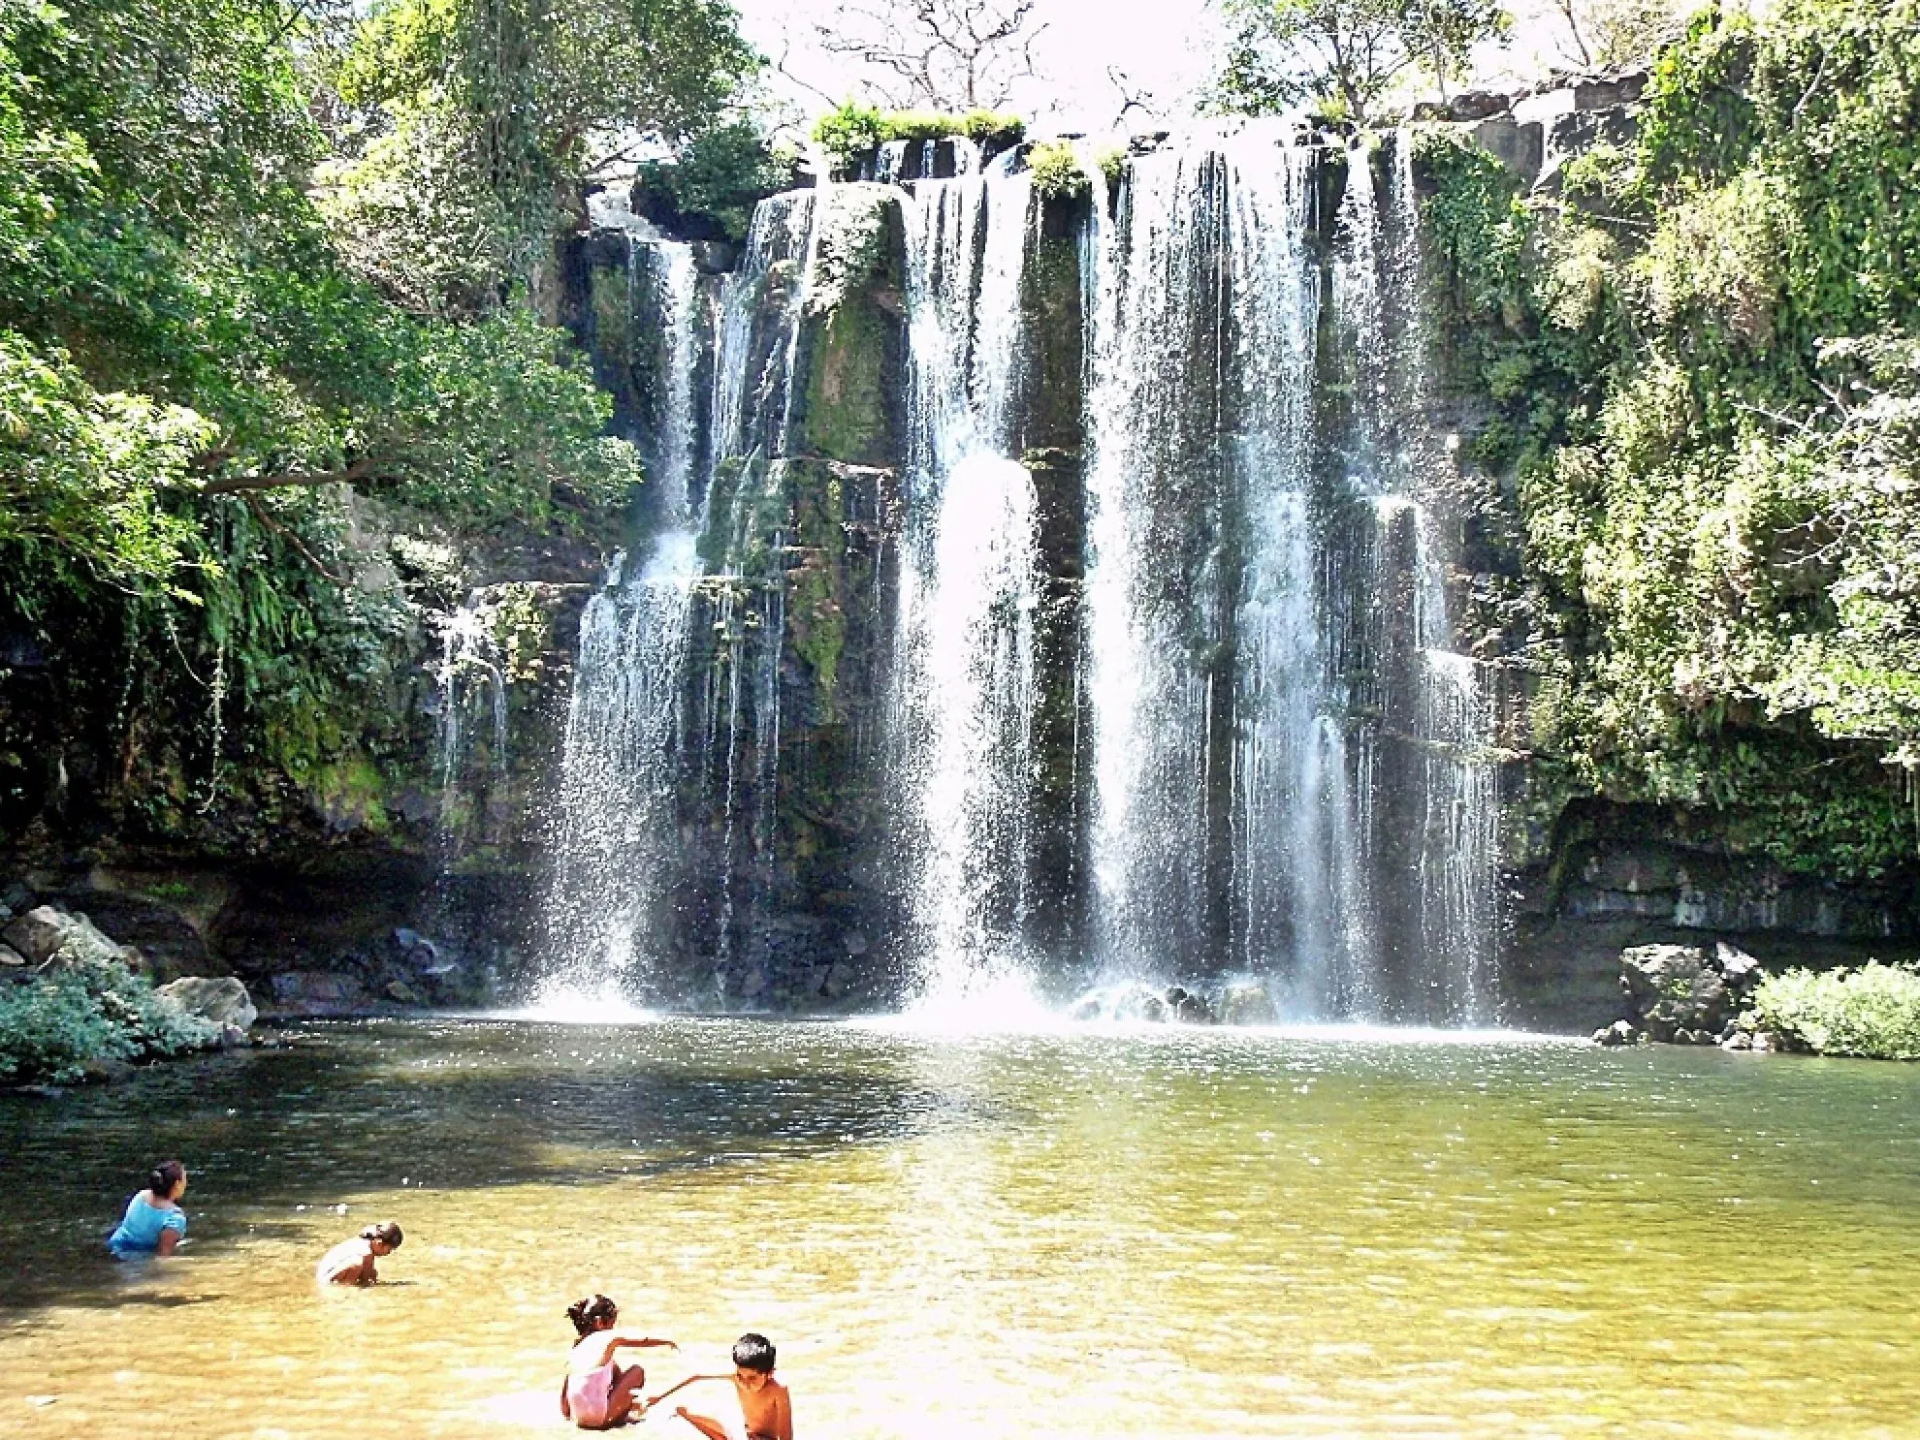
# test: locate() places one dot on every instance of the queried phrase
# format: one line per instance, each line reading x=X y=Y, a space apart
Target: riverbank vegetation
x=262 y=266
x=1873 y=1011
x=1705 y=358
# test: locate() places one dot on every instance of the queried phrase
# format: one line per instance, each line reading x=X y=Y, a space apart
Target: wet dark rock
x=1686 y=994
x=318 y=993
x=1246 y=1003
x=1620 y=1033
x=1188 y=1008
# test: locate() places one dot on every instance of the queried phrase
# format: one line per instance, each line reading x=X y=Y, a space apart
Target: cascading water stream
x=962 y=700
x=620 y=765
x=1241 y=527
x=1290 y=777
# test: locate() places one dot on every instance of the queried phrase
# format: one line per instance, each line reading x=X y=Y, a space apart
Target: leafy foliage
x=721 y=175
x=1873 y=1011
x=55 y=1028
x=853 y=131
x=1056 y=170
x=258 y=262
x=1705 y=360
x=493 y=107
x=1344 y=56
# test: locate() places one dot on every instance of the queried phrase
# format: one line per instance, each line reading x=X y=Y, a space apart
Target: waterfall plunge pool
x=1151 y=1232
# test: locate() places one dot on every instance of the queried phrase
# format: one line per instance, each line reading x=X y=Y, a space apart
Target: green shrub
x=993 y=127
x=1056 y=170
x=722 y=175
x=55 y=1027
x=917 y=125
x=1112 y=160
x=848 y=133
x=1873 y=1011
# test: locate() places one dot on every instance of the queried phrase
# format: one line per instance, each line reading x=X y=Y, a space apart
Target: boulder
x=1620 y=1033
x=45 y=934
x=1188 y=1008
x=1677 y=991
x=1477 y=105
x=1247 y=1003
x=10 y=957
x=1740 y=970
x=222 y=999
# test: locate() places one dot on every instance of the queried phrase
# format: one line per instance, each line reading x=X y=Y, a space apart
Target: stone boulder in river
x=223 y=1000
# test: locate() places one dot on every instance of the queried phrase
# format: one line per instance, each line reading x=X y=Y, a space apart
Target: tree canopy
x=256 y=253
x=1344 y=56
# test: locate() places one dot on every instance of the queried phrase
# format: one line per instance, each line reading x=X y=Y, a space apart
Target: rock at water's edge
x=223 y=1000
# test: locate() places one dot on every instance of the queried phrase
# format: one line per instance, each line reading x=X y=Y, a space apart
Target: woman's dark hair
x=387 y=1232
x=166 y=1175
x=588 y=1313
x=754 y=1352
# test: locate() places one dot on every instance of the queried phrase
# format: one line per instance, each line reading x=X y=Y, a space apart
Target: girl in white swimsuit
x=598 y=1394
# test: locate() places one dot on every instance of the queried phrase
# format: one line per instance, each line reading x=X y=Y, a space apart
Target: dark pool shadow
x=452 y=1105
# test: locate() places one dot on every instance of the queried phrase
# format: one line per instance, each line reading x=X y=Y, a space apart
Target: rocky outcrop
x=50 y=938
x=1687 y=994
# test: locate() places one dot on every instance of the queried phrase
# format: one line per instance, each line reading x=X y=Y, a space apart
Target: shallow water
x=1166 y=1233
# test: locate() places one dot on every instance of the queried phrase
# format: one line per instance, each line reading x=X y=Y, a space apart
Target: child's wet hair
x=387 y=1232
x=164 y=1176
x=588 y=1313
x=754 y=1352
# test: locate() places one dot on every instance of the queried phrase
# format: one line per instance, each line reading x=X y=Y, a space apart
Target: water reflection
x=1175 y=1232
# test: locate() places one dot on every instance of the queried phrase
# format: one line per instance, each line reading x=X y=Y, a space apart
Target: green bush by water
x=850 y=132
x=58 y=1027
x=1873 y=1011
x=1056 y=170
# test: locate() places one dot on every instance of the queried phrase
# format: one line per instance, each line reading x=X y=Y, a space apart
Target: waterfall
x=1281 y=775
x=1151 y=416
x=962 y=702
x=1273 y=703
x=618 y=792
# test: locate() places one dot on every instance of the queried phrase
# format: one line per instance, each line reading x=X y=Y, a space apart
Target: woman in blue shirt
x=154 y=1223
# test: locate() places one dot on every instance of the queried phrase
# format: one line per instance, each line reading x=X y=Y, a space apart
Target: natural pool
x=1162 y=1232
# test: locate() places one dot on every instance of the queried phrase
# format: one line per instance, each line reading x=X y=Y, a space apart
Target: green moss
x=816 y=608
x=352 y=792
x=847 y=395
x=522 y=631
x=612 y=300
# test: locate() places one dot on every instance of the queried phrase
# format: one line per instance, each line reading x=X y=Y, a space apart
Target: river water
x=1156 y=1233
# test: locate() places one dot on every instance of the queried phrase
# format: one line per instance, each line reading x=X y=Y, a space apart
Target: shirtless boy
x=766 y=1409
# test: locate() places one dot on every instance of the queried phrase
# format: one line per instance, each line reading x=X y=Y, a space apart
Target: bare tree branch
x=948 y=54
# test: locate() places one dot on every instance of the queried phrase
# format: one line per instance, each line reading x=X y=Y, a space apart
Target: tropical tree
x=1344 y=56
